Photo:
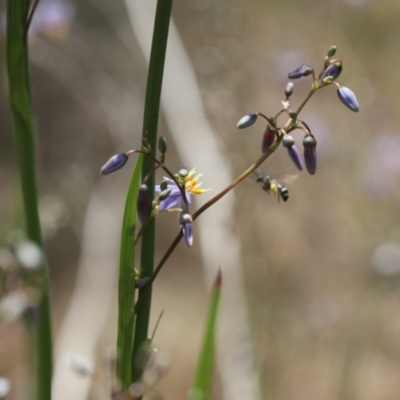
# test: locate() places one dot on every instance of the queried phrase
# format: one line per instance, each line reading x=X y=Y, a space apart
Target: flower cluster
x=274 y=134
x=174 y=192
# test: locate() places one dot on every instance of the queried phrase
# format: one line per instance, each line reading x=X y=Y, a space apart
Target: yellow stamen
x=192 y=185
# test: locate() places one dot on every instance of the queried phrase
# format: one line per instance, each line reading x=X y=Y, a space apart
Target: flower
x=192 y=186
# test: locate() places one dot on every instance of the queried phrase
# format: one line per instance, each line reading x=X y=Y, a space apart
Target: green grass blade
x=205 y=366
x=150 y=125
x=20 y=99
x=126 y=293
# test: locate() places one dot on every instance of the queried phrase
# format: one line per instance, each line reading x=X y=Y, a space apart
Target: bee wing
x=288 y=179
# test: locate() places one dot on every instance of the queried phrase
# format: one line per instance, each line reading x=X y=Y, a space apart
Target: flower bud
x=289 y=89
x=310 y=153
x=294 y=154
x=162 y=144
x=187 y=228
x=164 y=185
x=331 y=72
x=268 y=139
x=332 y=51
x=143 y=203
x=183 y=172
x=114 y=163
x=348 y=98
x=246 y=121
x=165 y=194
x=304 y=70
x=146 y=145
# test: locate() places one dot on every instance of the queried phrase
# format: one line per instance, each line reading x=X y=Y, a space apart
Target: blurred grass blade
x=205 y=366
x=127 y=280
x=20 y=99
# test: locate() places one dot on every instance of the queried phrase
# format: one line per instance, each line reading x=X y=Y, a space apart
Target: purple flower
x=192 y=186
x=348 y=98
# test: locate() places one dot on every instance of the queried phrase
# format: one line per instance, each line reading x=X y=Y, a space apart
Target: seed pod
x=143 y=203
x=268 y=139
x=294 y=154
x=289 y=89
x=116 y=162
x=348 y=98
x=246 y=121
x=310 y=153
x=331 y=72
x=304 y=70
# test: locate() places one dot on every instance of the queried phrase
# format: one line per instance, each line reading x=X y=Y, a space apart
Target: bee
x=270 y=185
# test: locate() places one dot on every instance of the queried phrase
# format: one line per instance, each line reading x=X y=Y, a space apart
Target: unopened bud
x=114 y=163
x=183 y=172
x=246 y=121
x=165 y=194
x=289 y=89
x=164 y=185
x=331 y=72
x=304 y=70
x=294 y=154
x=332 y=51
x=143 y=203
x=348 y=98
x=146 y=145
x=293 y=115
x=310 y=153
x=162 y=144
x=268 y=139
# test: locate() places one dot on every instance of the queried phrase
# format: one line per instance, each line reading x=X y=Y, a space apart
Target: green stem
x=150 y=125
x=21 y=106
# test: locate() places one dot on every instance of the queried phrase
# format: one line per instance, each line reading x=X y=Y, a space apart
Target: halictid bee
x=270 y=185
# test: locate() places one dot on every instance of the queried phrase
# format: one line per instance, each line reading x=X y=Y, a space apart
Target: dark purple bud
x=304 y=70
x=348 y=98
x=114 y=163
x=268 y=139
x=187 y=228
x=310 y=154
x=164 y=185
x=143 y=203
x=331 y=72
x=246 y=121
x=294 y=154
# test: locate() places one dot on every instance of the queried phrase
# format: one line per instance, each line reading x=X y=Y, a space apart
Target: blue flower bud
x=246 y=121
x=304 y=70
x=143 y=203
x=114 y=163
x=331 y=72
x=294 y=154
x=268 y=139
x=310 y=154
x=187 y=228
x=348 y=98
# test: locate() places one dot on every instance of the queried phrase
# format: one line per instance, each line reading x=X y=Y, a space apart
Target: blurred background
x=319 y=279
